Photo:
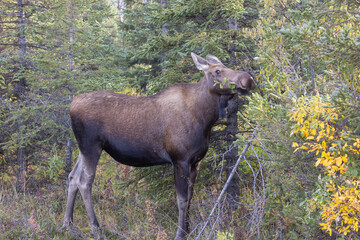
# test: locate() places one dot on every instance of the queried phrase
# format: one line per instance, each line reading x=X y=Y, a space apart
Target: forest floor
x=122 y=213
x=39 y=215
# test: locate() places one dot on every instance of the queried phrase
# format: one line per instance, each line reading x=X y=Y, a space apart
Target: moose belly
x=136 y=154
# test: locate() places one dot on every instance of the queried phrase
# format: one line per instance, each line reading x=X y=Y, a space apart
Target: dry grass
x=39 y=215
x=136 y=212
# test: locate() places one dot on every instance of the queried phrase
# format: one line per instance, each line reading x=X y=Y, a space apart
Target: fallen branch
x=242 y=155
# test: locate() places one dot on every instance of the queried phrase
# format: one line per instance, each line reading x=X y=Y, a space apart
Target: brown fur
x=172 y=126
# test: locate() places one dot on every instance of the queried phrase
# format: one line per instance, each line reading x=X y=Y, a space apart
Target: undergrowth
x=124 y=211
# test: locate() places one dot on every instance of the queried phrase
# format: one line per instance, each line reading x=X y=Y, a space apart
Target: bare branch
x=241 y=157
x=293 y=70
x=8 y=22
x=27 y=44
x=312 y=72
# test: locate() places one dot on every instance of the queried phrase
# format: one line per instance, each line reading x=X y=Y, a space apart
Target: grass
x=144 y=210
x=39 y=215
x=123 y=212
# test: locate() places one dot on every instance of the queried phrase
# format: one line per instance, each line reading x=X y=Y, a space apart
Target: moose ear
x=213 y=60
x=200 y=63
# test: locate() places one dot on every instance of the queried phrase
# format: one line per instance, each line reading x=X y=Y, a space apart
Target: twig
x=242 y=155
x=312 y=72
x=255 y=80
x=296 y=75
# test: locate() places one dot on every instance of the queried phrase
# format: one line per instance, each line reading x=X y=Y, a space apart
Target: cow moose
x=170 y=127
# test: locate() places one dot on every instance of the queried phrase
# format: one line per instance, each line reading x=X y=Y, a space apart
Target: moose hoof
x=68 y=227
x=180 y=237
x=97 y=234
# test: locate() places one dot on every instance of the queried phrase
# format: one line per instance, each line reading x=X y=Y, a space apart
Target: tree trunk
x=20 y=85
x=164 y=26
x=18 y=92
x=120 y=4
x=233 y=189
x=20 y=175
x=68 y=160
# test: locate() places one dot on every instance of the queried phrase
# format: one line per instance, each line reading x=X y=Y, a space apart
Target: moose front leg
x=181 y=174
x=194 y=170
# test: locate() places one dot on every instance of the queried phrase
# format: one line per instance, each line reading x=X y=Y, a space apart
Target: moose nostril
x=253 y=86
x=246 y=82
x=252 y=83
x=243 y=82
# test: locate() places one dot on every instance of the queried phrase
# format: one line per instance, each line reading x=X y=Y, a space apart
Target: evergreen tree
x=68 y=51
x=303 y=54
x=156 y=60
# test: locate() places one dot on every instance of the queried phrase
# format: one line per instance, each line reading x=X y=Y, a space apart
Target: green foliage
x=157 y=59
x=295 y=49
x=55 y=167
x=56 y=69
x=290 y=176
x=304 y=48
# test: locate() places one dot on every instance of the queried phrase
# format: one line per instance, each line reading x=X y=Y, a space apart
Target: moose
x=170 y=127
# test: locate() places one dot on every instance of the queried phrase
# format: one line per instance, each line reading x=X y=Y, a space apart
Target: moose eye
x=217 y=72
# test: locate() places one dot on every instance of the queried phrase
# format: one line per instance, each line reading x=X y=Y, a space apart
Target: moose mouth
x=242 y=91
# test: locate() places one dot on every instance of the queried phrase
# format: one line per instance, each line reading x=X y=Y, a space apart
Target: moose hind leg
x=81 y=178
x=72 y=192
x=85 y=180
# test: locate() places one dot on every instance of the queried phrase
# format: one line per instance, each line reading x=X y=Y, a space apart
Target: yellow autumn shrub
x=316 y=123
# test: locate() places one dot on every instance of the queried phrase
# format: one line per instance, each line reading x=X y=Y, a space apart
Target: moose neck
x=208 y=100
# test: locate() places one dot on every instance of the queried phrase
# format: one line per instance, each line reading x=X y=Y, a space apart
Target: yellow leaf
x=325 y=163
x=313 y=132
x=295 y=144
x=323 y=225
x=344 y=158
x=323 y=145
x=338 y=161
x=318 y=162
